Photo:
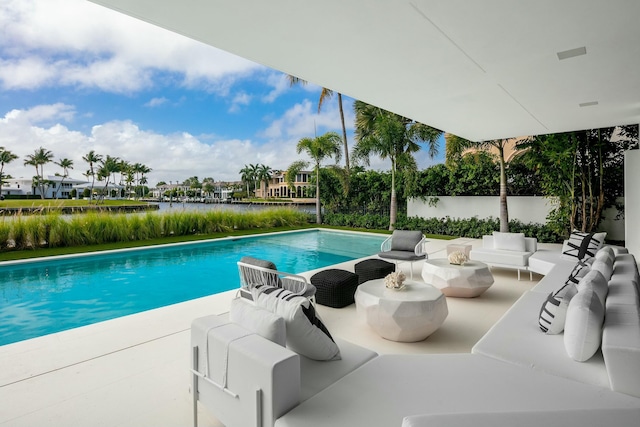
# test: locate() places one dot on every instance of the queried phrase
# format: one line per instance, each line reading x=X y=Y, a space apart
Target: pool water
x=43 y=297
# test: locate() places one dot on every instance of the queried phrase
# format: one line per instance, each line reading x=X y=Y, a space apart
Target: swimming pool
x=43 y=297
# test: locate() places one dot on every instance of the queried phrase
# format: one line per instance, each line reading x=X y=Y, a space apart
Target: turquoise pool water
x=43 y=297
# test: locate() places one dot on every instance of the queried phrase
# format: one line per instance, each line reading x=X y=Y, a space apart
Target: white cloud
x=156 y=102
x=74 y=42
x=172 y=157
x=239 y=100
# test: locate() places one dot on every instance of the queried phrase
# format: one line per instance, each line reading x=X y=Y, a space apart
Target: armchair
x=404 y=246
x=254 y=271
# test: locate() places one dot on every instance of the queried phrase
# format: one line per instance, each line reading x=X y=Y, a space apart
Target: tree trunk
x=504 y=210
x=318 y=207
x=344 y=134
x=393 y=213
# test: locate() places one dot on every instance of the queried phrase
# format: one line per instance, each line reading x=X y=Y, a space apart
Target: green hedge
x=472 y=228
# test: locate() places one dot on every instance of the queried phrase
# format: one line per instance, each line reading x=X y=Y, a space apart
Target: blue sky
x=76 y=77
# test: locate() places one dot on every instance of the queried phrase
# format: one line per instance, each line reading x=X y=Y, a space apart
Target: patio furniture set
x=515 y=375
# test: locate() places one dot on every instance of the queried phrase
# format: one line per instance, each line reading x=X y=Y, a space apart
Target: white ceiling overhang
x=479 y=69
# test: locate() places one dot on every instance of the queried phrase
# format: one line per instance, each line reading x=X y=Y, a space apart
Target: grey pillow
x=405 y=240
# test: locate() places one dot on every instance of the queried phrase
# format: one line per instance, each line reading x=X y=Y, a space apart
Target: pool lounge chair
x=404 y=246
x=255 y=271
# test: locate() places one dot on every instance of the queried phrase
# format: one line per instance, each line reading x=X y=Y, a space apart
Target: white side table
x=407 y=315
x=468 y=280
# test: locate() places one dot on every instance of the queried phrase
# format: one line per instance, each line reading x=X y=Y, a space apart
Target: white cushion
x=596 y=281
x=582 y=245
x=604 y=266
x=583 y=326
x=259 y=320
x=306 y=334
x=606 y=252
x=509 y=241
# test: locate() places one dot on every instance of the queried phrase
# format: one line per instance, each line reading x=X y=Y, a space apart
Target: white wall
x=632 y=201
x=523 y=208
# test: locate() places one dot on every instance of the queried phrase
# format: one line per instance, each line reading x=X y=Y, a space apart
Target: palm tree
x=254 y=176
x=92 y=158
x=327 y=94
x=65 y=164
x=38 y=159
x=264 y=175
x=246 y=176
x=318 y=148
x=6 y=156
x=454 y=148
x=391 y=136
x=108 y=167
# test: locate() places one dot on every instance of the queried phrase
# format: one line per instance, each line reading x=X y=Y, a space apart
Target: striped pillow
x=554 y=310
x=582 y=245
x=306 y=333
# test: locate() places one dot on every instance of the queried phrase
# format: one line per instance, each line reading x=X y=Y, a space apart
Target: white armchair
x=254 y=271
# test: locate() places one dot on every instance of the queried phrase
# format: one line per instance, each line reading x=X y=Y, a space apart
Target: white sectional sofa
x=515 y=375
x=506 y=250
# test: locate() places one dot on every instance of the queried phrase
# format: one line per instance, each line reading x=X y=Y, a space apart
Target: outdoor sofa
x=506 y=250
x=515 y=375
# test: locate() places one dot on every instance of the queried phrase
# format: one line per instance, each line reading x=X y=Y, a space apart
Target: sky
x=76 y=77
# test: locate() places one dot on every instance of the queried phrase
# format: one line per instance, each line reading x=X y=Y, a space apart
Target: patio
x=133 y=371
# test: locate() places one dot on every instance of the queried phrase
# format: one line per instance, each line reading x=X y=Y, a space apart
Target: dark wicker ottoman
x=335 y=288
x=371 y=269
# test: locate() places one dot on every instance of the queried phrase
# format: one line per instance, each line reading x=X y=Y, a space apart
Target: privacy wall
x=526 y=209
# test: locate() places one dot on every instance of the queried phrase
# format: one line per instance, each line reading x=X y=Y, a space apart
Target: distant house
x=279 y=188
x=57 y=187
x=114 y=191
x=222 y=191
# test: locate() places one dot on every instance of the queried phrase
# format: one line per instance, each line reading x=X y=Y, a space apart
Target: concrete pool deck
x=134 y=370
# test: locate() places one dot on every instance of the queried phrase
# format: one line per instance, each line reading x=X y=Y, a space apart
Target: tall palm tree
x=246 y=176
x=108 y=167
x=327 y=94
x=254 y=176
x=391 y=136
x=92 y=158
x=38 y=159
x=6 y=156
x=65 y=164
x=318 y=148
x=264 y=175
x=454 y=148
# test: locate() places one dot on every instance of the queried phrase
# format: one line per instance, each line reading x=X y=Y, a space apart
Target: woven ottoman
x=335 y=288
x=371 y=269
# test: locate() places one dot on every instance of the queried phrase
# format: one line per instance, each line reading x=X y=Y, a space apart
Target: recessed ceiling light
x=588 y=104
x=572 y=52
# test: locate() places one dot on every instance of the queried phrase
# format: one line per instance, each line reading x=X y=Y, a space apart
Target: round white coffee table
x=468 y=280
x=407 y=315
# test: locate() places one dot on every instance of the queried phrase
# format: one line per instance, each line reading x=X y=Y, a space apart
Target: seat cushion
x=497 y=256
x=401 y=255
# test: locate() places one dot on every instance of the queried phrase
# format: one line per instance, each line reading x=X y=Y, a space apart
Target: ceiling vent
x=572 y=53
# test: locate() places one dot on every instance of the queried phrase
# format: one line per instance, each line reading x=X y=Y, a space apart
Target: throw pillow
x=405 y=240
x=596 y=281
x=606 y=253
x=306 y=334
x=583 y=326
x=259 y=320
x=604 y=266
x=582 y=245
x=509 y=241
x=579 y=271
x=554 y=310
